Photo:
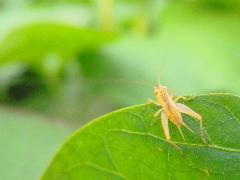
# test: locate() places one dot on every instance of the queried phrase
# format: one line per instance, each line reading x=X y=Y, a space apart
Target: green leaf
x=46 y=46
x=125 y=145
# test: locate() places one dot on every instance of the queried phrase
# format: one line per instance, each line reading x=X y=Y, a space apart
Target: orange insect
x=172 y=110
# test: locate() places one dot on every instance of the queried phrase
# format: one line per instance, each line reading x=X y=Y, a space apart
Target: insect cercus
x=172 y=110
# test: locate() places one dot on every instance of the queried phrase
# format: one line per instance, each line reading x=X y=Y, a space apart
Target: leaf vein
x=79 y=165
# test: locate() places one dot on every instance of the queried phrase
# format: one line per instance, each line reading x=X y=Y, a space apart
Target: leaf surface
x=126 y=145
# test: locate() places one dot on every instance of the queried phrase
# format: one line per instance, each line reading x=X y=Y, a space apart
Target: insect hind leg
x=186 y=110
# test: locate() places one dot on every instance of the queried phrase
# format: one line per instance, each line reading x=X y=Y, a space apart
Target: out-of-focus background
x=65 y=62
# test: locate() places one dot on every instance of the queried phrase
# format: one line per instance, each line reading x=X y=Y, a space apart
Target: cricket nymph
x=171 y=110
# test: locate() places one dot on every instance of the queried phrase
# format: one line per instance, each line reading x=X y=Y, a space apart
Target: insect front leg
x=177 y=98
x=153 y=102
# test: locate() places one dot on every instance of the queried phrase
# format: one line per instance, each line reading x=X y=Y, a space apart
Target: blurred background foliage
x=65 y=62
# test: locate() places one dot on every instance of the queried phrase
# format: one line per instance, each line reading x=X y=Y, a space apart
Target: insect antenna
x=158 y=78
x=120 y=81
x=35 y=81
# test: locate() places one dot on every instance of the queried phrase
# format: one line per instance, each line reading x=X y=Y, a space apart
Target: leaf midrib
x=179 y=143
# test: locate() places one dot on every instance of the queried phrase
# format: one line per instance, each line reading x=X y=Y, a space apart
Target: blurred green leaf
x=49 y=45
x=124 y=145
x=27 y=143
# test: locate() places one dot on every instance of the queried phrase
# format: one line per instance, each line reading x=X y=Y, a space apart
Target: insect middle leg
x=155 y=115
x=164 y=120
x=158 y=112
